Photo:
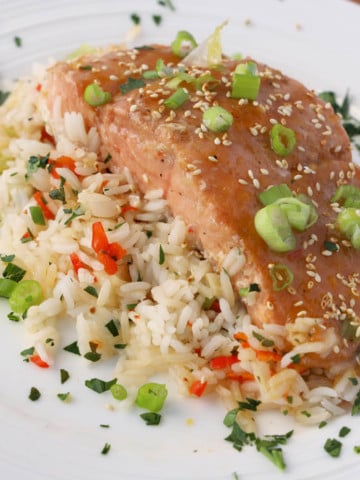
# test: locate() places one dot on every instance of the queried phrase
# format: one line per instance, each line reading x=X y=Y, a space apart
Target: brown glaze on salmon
x=213 y=180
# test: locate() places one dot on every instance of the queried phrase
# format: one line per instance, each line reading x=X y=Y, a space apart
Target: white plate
x=313 y=40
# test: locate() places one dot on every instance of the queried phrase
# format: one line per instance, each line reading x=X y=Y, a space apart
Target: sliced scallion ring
x=271 y=194
x=344 y=192
x=348 y=223
x=183 y=44
x=95 y=96
x=274 y=228
x=282 y=139
x=297 y=212
x=217 y=119
x=281 y=275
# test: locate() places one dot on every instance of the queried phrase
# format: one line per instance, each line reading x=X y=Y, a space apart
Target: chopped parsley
x=98 y=385
x=13 y=272
x=250 y=404
x=73 y=348
x=333 y=447
x=131 y=84
x=35 y=162
x=106 y=449
x=58 y=193
x=136 y=19
x=92 y=356
x=167 y=4
x=330 y=246
x=322 y=424
x=296 y=358
x=18 y=41
x=64 y=375
x=344 y=431
x=151 y=418
x=3 y=96
x=120 y=346
x=64 y=397
x=353 y=380
x=34 y=394
x=265 y=342
x=157 y=19
x=357 y=449
x=7 y=258
x=13 y=317
x=112 y=327
x=91 y=291
x=161 y=255
x=350 y=123
x=356 y=405
x=27 y=353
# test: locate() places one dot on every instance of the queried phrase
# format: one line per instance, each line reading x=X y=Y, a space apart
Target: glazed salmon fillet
x=213 y=179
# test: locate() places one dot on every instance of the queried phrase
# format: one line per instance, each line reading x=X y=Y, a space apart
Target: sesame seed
x=298 y=177
x=253 y=131
x=338 y=149
x=256 y=183
x=264 y=171
x=242 y=181
x=275 y=84
x=227 y=143
x=212 y=158
x=133 y=108
x=217 y=141
x=273 y=121
x=309 y=191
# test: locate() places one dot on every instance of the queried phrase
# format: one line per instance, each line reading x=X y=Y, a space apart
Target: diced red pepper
x=223 y=361
x=268 y=356
x=36 y=359
x=197 y=388
x=128 y=208
x=38 y=87
x=240 y=377
x=76 y=262
x=242 y=338
x=216 y=306
x=62 y=162
x=116 y=251
x=42 y=204
x=99 y=240
x=109 y=263
x=45 y=137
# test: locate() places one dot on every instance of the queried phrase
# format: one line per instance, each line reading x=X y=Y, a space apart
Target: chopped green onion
x=25 y=294
x=150 y=75
x=217 y=119
x=3 y=96
x=37 y=215
x=322 y=424
x=178 y=79
x=157 y=19
x=281 y=275
x=135 y=18
x=118 y=391
x=184 y=42
x=208 y=80
x=345 y=192
x=151 y=418
x=6 y=287
x=282 y=139
x=296 y=358
x=151 y=396
x=161 y=255
x=92 y=356
x=18 y=41
x=274 y=228
x=348 y=223
x=250 y=404
x=177 y=99
x=271 y=194
x=355 y=409
x=91 y=291
x=246 y=81
x=95 y=96
x=333 y=447
x=265 y=342
x=331 y=246
x=297 y=212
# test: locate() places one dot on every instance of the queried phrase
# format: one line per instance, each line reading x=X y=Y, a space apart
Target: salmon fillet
x=213 y=180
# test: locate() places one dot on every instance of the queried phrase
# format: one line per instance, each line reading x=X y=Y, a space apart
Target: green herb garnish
x=91 y=291
x=344 y=431
x=112 y=327
x=333 y=447
x=131 y=84
x=13 y=272
x=250 y=404
x=99 y=386
x=135 y=18
x=3 y=96
x=73 y=348
x=161 y=255
x=64 y=397
x=64 y=375
x=18 y=41
x=151 y=418
x=106 y=449
x=356 y=405
x=34 y=394
x=265 y=342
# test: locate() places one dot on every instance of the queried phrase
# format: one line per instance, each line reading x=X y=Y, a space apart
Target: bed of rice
x=158 y=306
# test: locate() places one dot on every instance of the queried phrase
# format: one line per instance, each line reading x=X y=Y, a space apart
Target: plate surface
x=312 y=40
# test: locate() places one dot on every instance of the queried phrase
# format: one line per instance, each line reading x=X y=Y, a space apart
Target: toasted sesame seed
x=217 y=141
x=273 y=121
x=133 y=108
x=256 y=183
x=212 y=158
x=242 y=181
x=338 y=149
x=298 y=177
x=264 y=171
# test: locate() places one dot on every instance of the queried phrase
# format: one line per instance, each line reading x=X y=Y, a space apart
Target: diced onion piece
x=177 y=99
x=274 y=228
x=282 y=139
x=281 y=275
x=217 y=119
x=95 y=96
x=183 y=44
x=275 y=192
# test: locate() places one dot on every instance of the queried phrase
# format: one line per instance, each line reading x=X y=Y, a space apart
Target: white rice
x=158 y=305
